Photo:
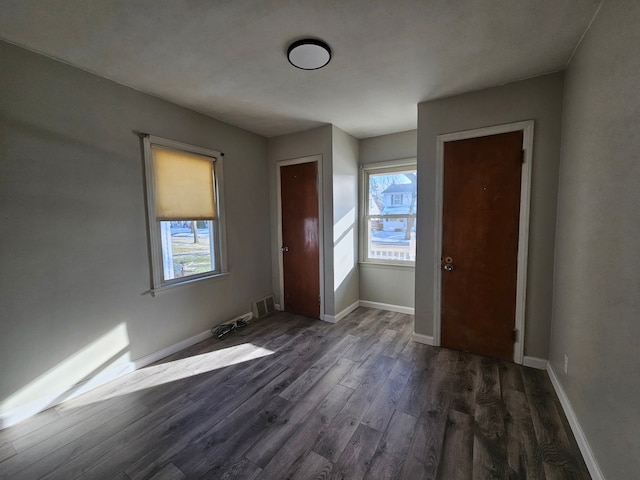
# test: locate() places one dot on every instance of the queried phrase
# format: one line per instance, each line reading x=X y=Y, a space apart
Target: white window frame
x=219 y=249
x=378 y=168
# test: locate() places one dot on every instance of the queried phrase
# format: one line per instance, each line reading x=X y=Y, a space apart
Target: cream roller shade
x=183 y=185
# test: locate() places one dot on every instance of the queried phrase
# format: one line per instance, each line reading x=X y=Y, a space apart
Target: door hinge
x=516 y=335
x=319 y=300
x=523 y=155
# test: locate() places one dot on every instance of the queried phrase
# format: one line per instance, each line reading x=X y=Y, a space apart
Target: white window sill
x=387 y=266
x=174 y=286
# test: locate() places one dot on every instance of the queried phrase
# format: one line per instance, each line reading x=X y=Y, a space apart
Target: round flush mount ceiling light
x=309 y=54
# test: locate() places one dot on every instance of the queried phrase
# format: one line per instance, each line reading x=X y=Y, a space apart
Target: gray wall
x=596 y=313
x=538 y=99
x=346 y=282
x=73 y=243
x=388 y=284
x=396 y=146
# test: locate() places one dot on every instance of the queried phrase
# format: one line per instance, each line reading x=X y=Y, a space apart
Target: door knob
x=285 y=248
x=448 y=267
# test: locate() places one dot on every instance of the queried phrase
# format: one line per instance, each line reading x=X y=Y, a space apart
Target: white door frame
x=523 y=231
x=296 y=161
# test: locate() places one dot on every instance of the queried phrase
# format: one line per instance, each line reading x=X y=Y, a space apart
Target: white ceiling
x=227 y=58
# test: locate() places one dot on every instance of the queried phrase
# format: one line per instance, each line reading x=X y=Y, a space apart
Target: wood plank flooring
x=295 y=398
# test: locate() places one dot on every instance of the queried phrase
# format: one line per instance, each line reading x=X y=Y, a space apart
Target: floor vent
x=264 y=306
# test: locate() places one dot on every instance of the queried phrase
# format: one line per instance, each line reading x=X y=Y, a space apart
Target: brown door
x=480 y=219
x=300 y=238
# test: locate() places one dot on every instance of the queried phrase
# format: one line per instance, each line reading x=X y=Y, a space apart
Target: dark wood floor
x=303 y=399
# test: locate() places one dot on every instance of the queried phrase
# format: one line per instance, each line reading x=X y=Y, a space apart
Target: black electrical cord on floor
x=223 y=331
x=245 y=327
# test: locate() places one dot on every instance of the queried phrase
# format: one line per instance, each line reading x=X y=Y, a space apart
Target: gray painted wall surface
x=297 y=145
x=386 y=283
x=538 y=99
x=596 y=313
x=73 y=243
x=345 y=219
x=395 y=146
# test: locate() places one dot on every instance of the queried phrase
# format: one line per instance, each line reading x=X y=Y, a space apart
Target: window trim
x=377 y=168
x=158 y=284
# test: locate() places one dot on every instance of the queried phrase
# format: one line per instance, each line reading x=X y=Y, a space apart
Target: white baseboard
x=170 y=350
x=277 y=307
x=420 y=338
x=342 y=314
x=387 y=306
x=55 y=398
x=361 y=303
x=583 y=444
x=535 y=362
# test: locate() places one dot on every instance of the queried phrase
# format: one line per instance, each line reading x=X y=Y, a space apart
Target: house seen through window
x=389 y=232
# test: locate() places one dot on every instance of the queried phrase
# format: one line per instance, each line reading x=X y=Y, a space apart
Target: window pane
x=392 y=193
x=392 y=239
x=187 y=248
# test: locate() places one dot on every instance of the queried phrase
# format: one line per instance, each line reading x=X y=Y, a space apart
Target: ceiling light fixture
x=309 y=54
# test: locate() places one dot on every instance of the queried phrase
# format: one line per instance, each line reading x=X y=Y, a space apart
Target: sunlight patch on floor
x=156 y=375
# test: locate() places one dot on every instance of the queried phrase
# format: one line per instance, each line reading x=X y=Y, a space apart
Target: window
x=389 y=213
x=185 y=212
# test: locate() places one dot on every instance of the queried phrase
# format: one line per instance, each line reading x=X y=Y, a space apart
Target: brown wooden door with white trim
x=480 y=227
x=300 y=238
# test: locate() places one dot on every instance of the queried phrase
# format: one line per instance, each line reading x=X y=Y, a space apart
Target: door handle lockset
x=448 y=267
x=285 y=248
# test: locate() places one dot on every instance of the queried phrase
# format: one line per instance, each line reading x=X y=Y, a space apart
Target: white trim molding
x=387 y=306
x=170 y=350
x=523 y=235
x=424 y=339
x=342 y=314
x=581 y=439
x=535 y=362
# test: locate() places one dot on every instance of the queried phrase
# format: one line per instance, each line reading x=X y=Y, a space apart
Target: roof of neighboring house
x=400 y=188
x=374 y=207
